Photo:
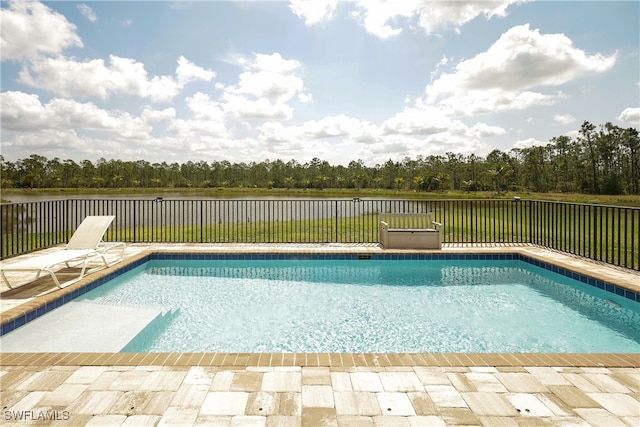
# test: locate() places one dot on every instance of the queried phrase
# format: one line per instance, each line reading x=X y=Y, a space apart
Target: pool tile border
x=346 y=361
x=25 y=313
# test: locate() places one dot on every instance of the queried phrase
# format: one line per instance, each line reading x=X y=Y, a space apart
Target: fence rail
x=604 y=233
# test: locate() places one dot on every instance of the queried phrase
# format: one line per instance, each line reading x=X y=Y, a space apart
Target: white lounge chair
x=85 y=245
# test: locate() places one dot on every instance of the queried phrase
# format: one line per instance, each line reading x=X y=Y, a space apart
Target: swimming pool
x=387 y=304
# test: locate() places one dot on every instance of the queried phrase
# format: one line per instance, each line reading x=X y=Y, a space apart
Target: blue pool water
x=289 y=305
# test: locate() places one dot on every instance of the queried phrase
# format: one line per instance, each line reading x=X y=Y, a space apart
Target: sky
x=364 y=80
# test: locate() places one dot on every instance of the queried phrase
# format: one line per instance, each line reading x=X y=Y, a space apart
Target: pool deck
x=251 y=389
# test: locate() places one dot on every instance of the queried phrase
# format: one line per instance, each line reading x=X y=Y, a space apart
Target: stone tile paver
x=445 y=396
x=317 y=396
x=106 y=420
x=213 y=420
x=280 y=381
x=178 y=416
x=190 y=395
x=580 y=381
x=607 y=384
x=262 y=403
x=489 y=404
x=225 y=403
x=461 y=382
x=159 y=401
x=618 y=404
x=529 y=405
x=547 y=375
x=366 y=381
x=319 y=417
x=422 y=403
x=432 y=375
x=400 y=381
x=341 y=381
x=248 y=421
x=426 y=421
x=200 y=375
x=246 y=381
x=222 y=381
x=94 y=402
x=275 y=396
x=316 y=376
x=573 y=397
x=486 y=382
x=521 y=382
x=357 y=403
x=64 y=395
x=141 y=421
x=45 y=380
x=290 y=403
x=397 y=404
x=86 y=374
x=284 y=421
x=601 y=417
x=355 y=421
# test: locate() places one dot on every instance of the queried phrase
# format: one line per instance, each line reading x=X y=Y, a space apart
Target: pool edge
x=330 y=360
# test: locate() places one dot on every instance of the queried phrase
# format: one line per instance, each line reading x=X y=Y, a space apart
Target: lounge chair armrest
x=437 y=224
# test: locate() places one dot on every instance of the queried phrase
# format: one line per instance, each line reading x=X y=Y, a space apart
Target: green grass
x=222 y=193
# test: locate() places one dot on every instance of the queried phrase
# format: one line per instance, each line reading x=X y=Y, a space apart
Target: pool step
x=146 y=337
x=81 y=327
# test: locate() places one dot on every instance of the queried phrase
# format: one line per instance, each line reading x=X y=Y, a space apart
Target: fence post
x=201 y=220
x=336 y=212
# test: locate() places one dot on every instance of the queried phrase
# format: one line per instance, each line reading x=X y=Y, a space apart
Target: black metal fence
x=603 y=233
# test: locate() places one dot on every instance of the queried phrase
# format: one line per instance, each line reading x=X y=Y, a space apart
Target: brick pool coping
x=622 y=278
x=330 y=360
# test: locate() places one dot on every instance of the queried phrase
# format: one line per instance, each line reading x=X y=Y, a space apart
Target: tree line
x=599 y=160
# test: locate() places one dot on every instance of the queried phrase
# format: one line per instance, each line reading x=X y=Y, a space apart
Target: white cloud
x=305 y=98
x=313 y=11
x=276 y=132
x=25 y=113
x=243 y=108
x=188 y=72
x=62 y=126
x=528 y=143
x=564 y=119
x=630 y=116
x=339 y=126
x=274 y=63
x=275 y=87
x=87 y=12
x=264 y=88
x=523 y=58
x=483 y=130
x=454 y=14
x=158 y=116
x=419 y=121
x=520 y=59
x=378 y=13
x=208 y=119
x=30 y=29
x=67 y=77
x=412 y=132
x=381 y=15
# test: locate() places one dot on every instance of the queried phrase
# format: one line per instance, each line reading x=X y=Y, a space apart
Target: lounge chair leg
x=5 y=279
x=53 y=276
